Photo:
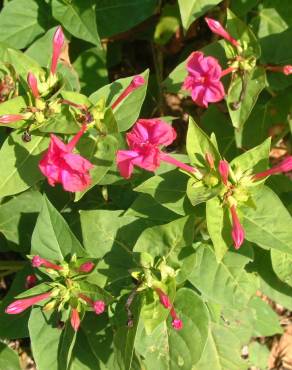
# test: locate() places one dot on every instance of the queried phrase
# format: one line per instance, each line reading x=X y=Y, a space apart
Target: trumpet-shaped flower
x=203 y=79
x=237 y=229
x=58 y=41
x=284 y=166
x=217 y=28
x=21 y=305
x=136 y=82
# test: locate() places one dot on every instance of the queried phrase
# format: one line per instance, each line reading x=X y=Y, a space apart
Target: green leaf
x=258 y=355
x=169 y=190
x=167 y=348
x=255 y=83
x=264 y=226
x=19 y=163
x=199 y=193
x=218 y=225
x=193 y=9
x=170 y=239
x=168 y=24
x=17 y=218
x=22 y=21
x=222 y=351
x=51 y=346
x=52 y=237
x=127 y=112
x=9 y=359
x=198 y=144
x=118 y=12
x=223 y=282
x=78 y=18
x=14 y=106
x=101 y=152
x=282 y=265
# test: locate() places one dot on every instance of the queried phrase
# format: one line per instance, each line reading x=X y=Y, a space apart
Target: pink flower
x=217 y=28
x=223 y=169
x=75 y=319
x=30 y=281
x=287 y=70
x=176 y=323
x=144 y=142
x=22 y=304
x=136 y=82
x=10 y=118
x=99 y=307
x=58 y=41
x=60 y=165
x=33 y=84
x=164 y=299
x=237 y=230
x=203 y=79
x=284 y=166
x=37 y=261
x=86 y=267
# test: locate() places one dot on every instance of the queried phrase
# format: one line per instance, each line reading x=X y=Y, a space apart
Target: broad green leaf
x=9 y=359
x=199 y=193
x=258 y=355
x=78 y=18
x=19 y=163
x=35 y=290
x=255 y=83
x=49 y=343
x=254 y=160
x=169 y=349
x=52 y=237
x=241 y=7
x=169 y=190
x=118 y=12
x=270 y=224
x=282 y=265
x=170 y=239
x=190 y=10
x=101 y=152
x=218 y=225
x=127 y=112
x=198 y=144
x=14 y=106
x=21 y=21
x=222 y=351
x=167 y=25
x=223 y=282
x=17 y=218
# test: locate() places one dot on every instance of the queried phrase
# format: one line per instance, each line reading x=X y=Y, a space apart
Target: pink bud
x=10 y=118
x=209 y=158
x=136 y=82
x=75 y=319
x=223 y=169
x=33 y=84
x=30 y=281
x=22 y=304
x=37 y=261
x=99 y=307
x=217 y=28
x=58 y=42
x=237 y=230
x=164 y=299
x=86 y=267
x=284 y=166
x=177 y=324
x=287 y=70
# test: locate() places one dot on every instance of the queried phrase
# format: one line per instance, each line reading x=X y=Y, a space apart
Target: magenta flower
x=136 y=82
x=37 y=261
x=287 y=69
x=58 y=41
x=223 y=169
x=164 y=299
x=30 y=281
x=284 y=166
x=99 y=307
x=75 y=319
x=21 y=305
x=176 y=323
x=217 y=28
x=10 y=118
x=203 y=79
x=86 y=267
x=144 y=142
x=33 y=84
x=237 y=229
x=62 y=166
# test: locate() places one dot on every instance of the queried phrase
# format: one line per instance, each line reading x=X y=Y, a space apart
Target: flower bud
x=99 y=307
x=217 y=28
x=223 y=169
